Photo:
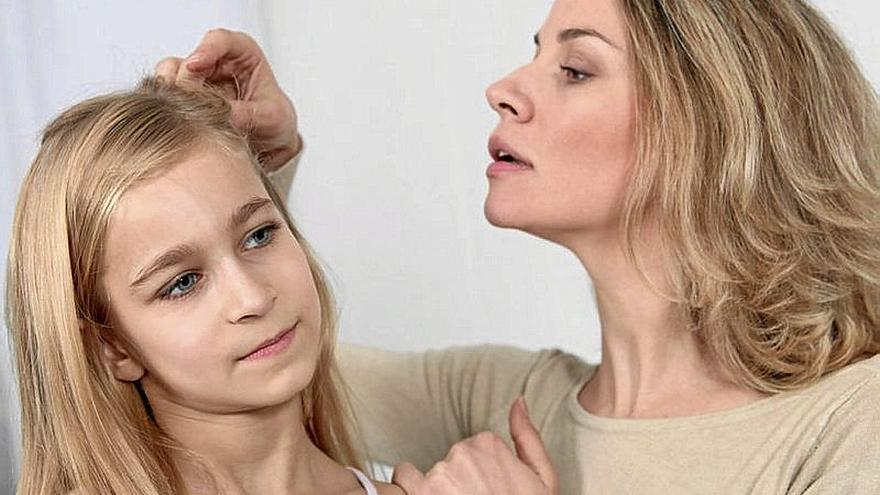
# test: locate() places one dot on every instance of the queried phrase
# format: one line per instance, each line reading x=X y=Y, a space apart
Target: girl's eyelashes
x=261 y=237
x=187 y=283
x=574 y=75
x=181 y=286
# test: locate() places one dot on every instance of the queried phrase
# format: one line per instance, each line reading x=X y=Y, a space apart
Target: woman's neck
x=265 y=451
x=653 y=365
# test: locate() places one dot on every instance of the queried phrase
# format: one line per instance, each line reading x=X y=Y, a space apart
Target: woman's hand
x=233 y=62
x=485 y=465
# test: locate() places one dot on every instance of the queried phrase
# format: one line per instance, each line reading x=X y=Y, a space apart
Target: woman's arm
x=414 y=406
x=282 y=177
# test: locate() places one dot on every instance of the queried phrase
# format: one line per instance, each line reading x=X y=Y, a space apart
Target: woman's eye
x=261 y=237
x=181 y=286
x=574 y=74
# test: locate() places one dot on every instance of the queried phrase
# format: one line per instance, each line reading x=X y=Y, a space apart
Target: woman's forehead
x=602 y=16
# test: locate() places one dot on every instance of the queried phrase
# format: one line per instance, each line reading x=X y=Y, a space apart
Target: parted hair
x=758 y=149
x=82 y=429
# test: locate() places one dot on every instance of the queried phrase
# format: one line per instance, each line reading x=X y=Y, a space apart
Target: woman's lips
x=273 y=346
x=505 y=159
x=501 y=167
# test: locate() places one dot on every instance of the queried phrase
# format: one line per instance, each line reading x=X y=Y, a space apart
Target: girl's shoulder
x=388 y=489
x=381 y=487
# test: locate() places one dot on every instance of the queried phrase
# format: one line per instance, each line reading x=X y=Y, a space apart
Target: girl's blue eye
x=187 y=283
x=181 y=286
x=261 y=237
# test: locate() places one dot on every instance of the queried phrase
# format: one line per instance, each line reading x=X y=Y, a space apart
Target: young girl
x=173 y=333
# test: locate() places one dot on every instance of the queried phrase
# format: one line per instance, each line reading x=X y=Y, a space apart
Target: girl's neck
x=653 y=365
x=265 y=451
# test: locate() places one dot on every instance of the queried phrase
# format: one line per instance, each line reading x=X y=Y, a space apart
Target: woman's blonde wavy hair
x=759 y=152
x=83 y=429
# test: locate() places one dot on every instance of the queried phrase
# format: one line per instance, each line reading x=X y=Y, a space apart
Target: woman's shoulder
x=851 y=393
x=861 y=383
x=855 y=384
x=846 y=402
x=845 y=457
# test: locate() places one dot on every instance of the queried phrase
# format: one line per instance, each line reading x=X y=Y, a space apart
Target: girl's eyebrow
x=179 y=253
x=247 y=210
x=167 y=259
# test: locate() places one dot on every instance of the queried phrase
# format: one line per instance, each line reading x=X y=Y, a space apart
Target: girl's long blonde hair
x=82 y=428
x=759 y=151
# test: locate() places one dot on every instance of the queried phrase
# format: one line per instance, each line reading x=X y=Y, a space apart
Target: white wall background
x=390 y=190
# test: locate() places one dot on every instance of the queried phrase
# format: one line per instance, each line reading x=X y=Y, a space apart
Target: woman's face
x=202 y=276
x=566 y=127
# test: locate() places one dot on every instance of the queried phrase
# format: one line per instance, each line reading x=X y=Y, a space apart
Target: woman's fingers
x=233 y=64
x=222 y=44
x=529 y=446
x=167 y=69
x=226 y=59
x=268 y=124
x=409 y=478
x=485 y=465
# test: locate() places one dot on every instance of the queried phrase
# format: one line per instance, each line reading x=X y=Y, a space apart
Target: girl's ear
x=124 y=366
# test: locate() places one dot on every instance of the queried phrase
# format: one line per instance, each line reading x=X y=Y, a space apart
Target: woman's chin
x=502 y=215
x=565 y=231
x=515 y=214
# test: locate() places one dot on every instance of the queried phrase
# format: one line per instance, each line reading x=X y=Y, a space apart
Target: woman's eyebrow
x=579 y=32
x=167 y=259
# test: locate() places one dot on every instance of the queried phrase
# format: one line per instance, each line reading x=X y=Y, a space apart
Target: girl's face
x=567 y=127
x=213 y=303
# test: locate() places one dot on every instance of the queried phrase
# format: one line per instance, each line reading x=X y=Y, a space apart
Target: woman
x=715 y=166
x=173 y=334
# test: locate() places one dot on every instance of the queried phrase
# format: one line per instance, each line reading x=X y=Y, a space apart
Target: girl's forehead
x=205 y=177
x=194 y=199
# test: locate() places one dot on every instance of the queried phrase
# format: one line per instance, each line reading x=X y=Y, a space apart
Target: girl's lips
x=273 y=346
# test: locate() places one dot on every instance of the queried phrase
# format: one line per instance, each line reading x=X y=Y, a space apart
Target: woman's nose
x=508 y=98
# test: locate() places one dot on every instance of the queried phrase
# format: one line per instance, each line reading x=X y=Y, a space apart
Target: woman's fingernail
x=193 y=57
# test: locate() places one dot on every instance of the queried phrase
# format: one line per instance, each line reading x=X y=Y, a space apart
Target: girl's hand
x=485 y=465
x=233 y=62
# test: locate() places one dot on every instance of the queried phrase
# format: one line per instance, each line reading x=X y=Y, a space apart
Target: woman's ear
x=124 y=366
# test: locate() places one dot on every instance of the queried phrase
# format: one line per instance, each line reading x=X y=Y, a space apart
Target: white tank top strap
x=365 y=482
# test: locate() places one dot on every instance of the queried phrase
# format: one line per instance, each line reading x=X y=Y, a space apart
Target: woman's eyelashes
x=188 y=283
x=574 y=75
